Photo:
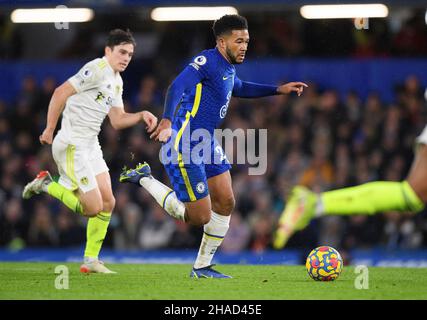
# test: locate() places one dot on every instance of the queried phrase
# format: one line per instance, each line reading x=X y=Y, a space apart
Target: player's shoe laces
x=134 y=175
x=207 y=272
x=299 y=211
x=36 y=186
x=95 y=266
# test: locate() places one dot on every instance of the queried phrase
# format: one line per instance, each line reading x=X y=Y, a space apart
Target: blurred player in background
x=85 y=100
x=370 y=198
x=202 y=192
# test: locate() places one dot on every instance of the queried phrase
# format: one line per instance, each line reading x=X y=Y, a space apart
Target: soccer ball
x=324 y=264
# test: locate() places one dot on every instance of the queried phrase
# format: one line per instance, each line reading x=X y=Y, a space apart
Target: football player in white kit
x=85 y=100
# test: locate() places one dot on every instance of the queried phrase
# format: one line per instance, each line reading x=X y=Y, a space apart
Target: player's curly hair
x=228 y=23
x=119 y=36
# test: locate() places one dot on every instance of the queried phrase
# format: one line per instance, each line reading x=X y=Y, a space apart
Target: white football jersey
x=98 y=88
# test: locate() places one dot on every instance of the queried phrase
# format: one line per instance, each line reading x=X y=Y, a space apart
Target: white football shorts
x=78 y=164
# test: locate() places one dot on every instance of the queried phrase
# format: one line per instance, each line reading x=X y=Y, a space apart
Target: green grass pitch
x=32 y=280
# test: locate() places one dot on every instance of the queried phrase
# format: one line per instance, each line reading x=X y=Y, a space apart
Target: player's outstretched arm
x=56 y=106
x=290 y=87
x=246 y=89
x=120 y=119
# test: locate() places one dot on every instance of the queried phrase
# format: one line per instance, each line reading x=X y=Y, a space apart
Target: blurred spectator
x=13 y=227
x=261 y=234
x=149 y=95
x=157 y=230
x=42 y=231
x=185 y=236
x=238 y=234
x=127 y=233
x=319 y=174
x=70 y=233
x=411 y=40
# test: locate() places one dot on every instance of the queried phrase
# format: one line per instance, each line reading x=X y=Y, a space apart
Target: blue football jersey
x=208 y=101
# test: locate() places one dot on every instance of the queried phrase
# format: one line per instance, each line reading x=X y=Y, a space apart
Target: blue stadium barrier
x=372 y=257
x=151 y=256
x=386 y=258
x=363 y=76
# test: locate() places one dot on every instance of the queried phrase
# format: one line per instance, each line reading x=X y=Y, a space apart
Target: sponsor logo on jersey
x=224 y=108
x=223 y=111
x=100 y=96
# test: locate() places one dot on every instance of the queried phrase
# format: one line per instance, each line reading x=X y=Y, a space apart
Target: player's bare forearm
x=122 y=120
x=127 y=120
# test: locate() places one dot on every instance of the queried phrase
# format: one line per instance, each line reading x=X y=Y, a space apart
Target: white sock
x=214 y=232
x=165 y=197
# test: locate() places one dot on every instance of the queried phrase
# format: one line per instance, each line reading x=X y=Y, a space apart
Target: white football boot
x=36 y=186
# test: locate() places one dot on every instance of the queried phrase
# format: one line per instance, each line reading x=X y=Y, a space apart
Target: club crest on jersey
x=200 y=187
x=84 y=181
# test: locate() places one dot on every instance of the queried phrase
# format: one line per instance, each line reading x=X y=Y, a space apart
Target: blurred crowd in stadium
x=320 y=140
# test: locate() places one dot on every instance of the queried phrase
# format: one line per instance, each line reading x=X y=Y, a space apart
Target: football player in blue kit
x=202 y=192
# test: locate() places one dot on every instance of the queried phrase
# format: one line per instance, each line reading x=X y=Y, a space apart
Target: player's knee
x=419 y=187
x=200 y=219
x=92 y=209
x=90 y=214
x=109 y=204
x=421 y=193
x=224 y=206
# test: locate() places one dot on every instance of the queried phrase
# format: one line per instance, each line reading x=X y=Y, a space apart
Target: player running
x=86 y=99
x=370 y=198
x=202 y=192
